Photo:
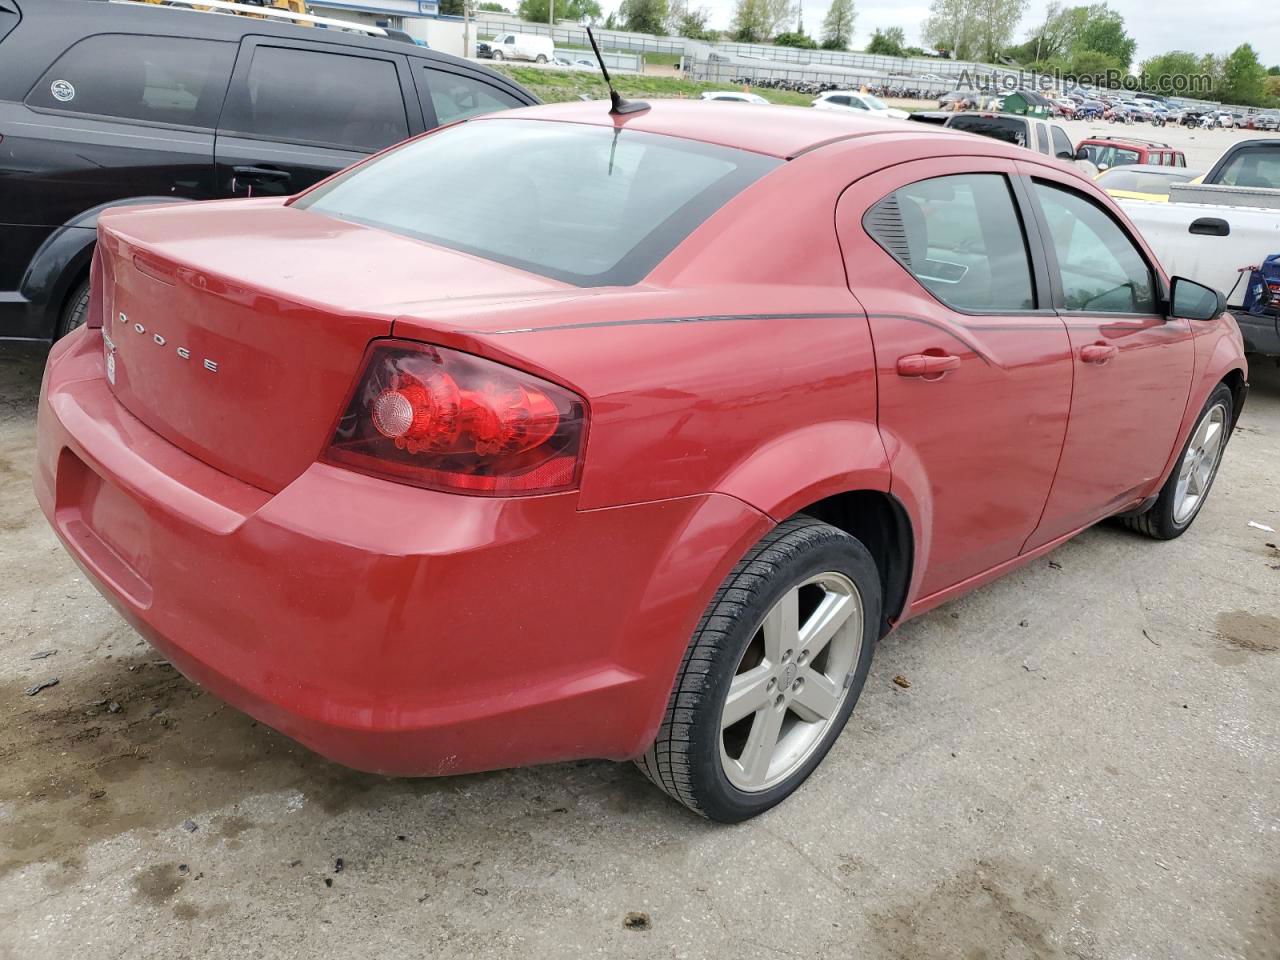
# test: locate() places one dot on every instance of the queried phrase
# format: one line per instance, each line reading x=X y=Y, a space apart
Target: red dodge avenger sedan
x=560 y=433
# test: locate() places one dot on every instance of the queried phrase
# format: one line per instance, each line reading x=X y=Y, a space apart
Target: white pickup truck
x=1210 y=232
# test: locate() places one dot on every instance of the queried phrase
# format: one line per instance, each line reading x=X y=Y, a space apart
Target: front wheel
x=771 y=674
x=540 y=59
x=497 y=54
x=1187 y=488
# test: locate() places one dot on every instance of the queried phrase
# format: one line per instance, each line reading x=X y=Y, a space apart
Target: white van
x=522 y=46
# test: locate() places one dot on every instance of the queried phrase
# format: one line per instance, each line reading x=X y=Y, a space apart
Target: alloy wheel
x=1199 y=464
x=791 y=681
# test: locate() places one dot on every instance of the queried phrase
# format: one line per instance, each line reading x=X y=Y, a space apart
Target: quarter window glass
x=456 y=97
x=1042 y=139
x=316 y=97
x=155 y=79
x=1101 y=268
x=961 y=237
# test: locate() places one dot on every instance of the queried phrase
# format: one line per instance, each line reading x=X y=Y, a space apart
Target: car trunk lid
x=237 y=329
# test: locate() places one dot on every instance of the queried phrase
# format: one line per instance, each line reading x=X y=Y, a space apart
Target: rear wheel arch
x=881 y=522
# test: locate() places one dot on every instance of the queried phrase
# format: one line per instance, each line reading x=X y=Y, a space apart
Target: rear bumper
x=391 y=629
x=1260 y=333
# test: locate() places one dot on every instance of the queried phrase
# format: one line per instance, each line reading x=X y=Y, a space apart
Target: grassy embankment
x=553 y=86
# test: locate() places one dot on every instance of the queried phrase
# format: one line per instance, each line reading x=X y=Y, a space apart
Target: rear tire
x=76 y=309
x=790 y=634
x=1184 y=493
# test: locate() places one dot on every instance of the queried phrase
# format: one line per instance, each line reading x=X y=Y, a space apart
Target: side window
x=855 y=102
x=961 y=237
x=1062 y=143
x=155 y=79
x=317 y=97
x=1042 y=138
x=1101 y=269
x=456 y=97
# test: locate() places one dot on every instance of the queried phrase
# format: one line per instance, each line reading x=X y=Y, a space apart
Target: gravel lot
x=1084 y=766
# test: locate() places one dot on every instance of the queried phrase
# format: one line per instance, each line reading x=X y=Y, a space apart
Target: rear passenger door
x=972 y=363
x=298 y=112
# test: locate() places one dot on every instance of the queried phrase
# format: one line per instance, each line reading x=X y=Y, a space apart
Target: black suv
x=103 y=104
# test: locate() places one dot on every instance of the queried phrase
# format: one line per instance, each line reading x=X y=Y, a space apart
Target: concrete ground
x=1084 y=766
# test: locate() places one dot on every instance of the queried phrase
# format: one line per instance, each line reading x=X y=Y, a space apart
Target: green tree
x=1271 y=86
x=490 y=7
x=1092 y=65
x=1103 y=31
x=837 y=27
x=973 y=28
x=1273 y=71
x=1162 y=73
x=996 y=21
x=643 y=16
x=795 y=39
x=1053 y=39
x=693 y=24
x=888 y=42
x=750 y=21
x=538 y=11
x=1243 y=77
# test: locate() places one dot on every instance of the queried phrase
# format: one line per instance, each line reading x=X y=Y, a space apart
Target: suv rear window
x=312 y=96
x=1256 y=167
x=1008 y=129
x=156 y=79
x=592 y=206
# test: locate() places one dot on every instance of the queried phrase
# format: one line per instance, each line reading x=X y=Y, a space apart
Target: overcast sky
x=1219 y=27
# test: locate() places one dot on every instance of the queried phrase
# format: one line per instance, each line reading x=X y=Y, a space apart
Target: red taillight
x=446 y=420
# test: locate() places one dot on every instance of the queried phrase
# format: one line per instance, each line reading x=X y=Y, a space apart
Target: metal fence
x=577 y=36
x=810 y=78
x=871 y=63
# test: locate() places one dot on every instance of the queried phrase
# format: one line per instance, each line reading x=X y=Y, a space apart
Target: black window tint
x=1007 y=129
x=1101 y=268
x=961 y=237
x=8 y=20
x=1256 y=167
x=1061 y=142
x=456 y=97
x=157 y=79
x=317 y=97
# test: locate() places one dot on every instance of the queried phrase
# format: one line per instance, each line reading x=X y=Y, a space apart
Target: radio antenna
x=620 y=106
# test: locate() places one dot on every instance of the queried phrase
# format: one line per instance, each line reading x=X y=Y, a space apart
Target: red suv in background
x=1107 y=152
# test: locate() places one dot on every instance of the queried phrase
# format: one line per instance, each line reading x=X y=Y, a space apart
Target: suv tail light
x=447 y=420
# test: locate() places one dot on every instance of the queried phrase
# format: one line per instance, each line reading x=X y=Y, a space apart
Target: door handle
x=926 y=365
x=1098 y=352
x=261 y=174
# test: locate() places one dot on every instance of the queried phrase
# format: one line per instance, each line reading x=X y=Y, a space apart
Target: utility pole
x=551 y=16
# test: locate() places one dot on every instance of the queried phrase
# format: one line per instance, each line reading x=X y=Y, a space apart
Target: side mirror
x=1081 y=154
x=1195 y=301
x=1068 y=155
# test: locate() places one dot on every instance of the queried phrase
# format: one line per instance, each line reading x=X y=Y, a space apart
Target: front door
x=973 y=364
x=1133 y=363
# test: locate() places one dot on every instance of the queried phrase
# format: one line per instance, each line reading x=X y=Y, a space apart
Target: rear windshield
x=1007 y=129
x=9 y=16
x=1253 y=167
x=592 y=206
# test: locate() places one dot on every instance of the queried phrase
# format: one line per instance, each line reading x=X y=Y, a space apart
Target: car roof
x=789 y=132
